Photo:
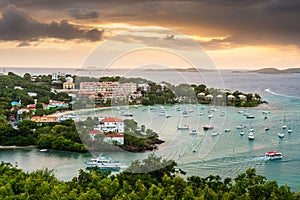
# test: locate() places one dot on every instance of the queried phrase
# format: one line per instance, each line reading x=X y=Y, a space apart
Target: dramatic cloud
x=243 y=22
x=17 y=25
x=83 y=14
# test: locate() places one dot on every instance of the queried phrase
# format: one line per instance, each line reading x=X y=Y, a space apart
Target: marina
x=201 y=154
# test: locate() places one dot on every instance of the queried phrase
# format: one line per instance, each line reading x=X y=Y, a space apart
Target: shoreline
x=84 y=110
x=17 y=147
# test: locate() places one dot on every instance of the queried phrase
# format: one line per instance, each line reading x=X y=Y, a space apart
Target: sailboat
x=284 y=125
x=290 y=130
x=280 y=134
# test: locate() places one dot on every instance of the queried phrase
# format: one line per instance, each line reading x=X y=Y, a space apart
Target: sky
x=244 y=34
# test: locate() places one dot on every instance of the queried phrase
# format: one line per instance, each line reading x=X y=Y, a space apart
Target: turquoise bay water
x=227 y=154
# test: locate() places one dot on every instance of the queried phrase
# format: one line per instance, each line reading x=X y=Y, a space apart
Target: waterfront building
x=44 y=119
x=111 y=125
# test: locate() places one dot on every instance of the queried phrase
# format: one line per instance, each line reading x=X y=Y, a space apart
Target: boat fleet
x=241 y=127
x=107 y=163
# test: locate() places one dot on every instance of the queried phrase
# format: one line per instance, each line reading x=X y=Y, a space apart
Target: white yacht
x=103 y=163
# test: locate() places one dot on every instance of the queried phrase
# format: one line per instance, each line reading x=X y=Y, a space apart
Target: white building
x=113 y=125
x=145 y=87
x=129 y=88
x=69 y=79
x=242 y=97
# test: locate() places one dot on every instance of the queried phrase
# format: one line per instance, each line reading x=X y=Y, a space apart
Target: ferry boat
x=273 y=155
x=103 y=163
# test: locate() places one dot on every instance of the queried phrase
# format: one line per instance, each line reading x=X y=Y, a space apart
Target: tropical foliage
x=152 y=178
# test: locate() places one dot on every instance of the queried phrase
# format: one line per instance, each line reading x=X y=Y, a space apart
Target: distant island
x=272 y=70
x=181 y=70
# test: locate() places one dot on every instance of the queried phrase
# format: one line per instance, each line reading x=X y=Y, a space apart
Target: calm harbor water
x=227 y=154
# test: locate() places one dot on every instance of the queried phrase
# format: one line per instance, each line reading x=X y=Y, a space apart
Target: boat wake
x=281 y=95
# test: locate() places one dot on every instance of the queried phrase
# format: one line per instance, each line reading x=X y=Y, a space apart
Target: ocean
x=227 y=154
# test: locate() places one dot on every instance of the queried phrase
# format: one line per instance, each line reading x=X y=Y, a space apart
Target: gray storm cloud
x=17 y=25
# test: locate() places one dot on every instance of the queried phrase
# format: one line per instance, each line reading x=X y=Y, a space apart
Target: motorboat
x=251 y=136
x=200 y=113
x=267 y=128
x=43 y=150
x=250 y=116
x=240 y=126
x=241 y=132
x=103 y=163
x=290 y=130
x=168 y=116
x=183 y=127
x=214 y=134
x=273 y=155
x=227 y=130
x=193 y=132
x=127 y=114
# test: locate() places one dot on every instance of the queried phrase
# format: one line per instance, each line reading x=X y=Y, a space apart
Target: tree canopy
x=162 y=183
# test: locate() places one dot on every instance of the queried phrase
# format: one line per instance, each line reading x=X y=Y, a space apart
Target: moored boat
x=240 y=126
x=193 y=132
x=284 y=126
x=250 y=117
x=280 y=135
x=103 y=163
x=251 y=136
x=214 y=134
x=273 y=155
x=183 y=127
x=207 y=127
